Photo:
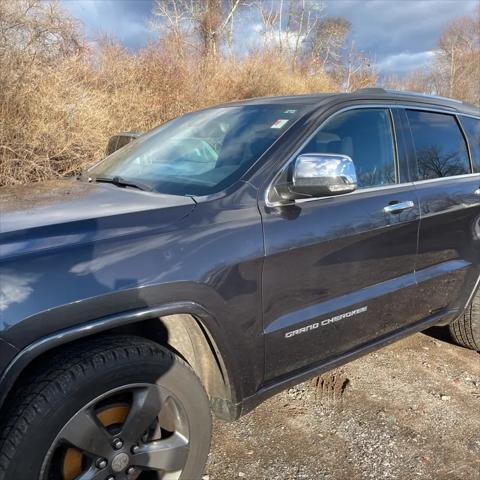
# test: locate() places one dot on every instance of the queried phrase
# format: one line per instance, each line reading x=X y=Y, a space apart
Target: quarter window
x=472 y=129
x=439 y=145
x=365 y=135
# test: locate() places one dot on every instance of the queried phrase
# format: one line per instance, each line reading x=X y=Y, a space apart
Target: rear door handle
x=399 y=207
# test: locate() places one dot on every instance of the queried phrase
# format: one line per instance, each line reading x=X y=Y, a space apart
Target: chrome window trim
x=392 y=186
x=444 y=179
x=389 y=106
x=469 y=115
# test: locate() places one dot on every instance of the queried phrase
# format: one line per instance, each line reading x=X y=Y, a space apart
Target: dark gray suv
x=220 y=258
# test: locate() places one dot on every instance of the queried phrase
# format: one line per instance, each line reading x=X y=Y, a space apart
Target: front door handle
x=477 y=191
x=399 y=207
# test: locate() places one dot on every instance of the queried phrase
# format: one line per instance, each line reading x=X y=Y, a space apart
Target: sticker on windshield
x=280 y=123
x=290 y=111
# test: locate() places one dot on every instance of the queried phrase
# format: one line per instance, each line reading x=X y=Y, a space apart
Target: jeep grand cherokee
x=220 y=258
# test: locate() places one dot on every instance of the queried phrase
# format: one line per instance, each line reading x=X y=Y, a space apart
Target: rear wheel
x=466 y=330
x=120 y=408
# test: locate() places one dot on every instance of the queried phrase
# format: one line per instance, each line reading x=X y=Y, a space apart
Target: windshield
x=202 y=152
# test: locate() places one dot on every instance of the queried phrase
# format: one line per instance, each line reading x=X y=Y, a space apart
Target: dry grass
x=58 y=106
x=60 y=121
x=61 y=99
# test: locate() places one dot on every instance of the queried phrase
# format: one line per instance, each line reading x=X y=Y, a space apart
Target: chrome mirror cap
x=322 y=174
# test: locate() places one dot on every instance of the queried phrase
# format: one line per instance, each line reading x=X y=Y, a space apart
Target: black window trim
x=396 y=157
x=467 y=143
x=467 y=140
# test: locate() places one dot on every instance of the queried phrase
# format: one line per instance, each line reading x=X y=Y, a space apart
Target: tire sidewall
x=66 y=402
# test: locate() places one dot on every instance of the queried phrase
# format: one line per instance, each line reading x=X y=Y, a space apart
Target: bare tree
x=357 y=71
x=206 y=22
x=326 y=47
x=303 y=18
x=34 y=33
x=420 y=80
x=288 y=26
x=434 y=163
x=35 y=28
x=455 y=68
x=457 y=61
x=170 y=18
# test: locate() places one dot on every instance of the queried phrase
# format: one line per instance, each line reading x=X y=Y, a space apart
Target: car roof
x=379 y=94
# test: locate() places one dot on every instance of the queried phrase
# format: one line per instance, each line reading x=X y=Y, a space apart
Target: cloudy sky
x=400 y=34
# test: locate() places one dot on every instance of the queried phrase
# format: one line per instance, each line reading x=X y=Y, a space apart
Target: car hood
x=49 y=214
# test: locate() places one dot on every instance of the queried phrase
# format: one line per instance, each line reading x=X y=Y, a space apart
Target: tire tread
x=465 y=330
x=31 y=396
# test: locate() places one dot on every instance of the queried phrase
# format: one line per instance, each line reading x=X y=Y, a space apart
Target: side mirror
x=322 y=174
x=120 y=140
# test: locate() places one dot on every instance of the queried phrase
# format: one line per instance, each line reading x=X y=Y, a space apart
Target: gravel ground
x=409 y=411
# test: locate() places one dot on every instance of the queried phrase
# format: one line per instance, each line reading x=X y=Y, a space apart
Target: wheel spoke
x=91 y=474
x=145 y=408
x=169 y=455
x=168 y=416
x=86 y=433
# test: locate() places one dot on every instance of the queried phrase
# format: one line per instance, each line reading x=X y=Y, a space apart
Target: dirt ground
x=409 y=411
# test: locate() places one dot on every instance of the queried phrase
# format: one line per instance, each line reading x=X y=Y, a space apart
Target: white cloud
x=14 y=287
x=399 y=34
x=123 y=19
x=404 y=62
x=285 y=37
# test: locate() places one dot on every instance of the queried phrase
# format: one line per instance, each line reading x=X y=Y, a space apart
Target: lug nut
x=135 y=449
x=130 y=471
x=111 y=477
x=101 y=463
x=117 y=444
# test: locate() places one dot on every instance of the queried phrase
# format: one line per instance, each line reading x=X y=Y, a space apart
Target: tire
x=47 y=432
x=465 y=330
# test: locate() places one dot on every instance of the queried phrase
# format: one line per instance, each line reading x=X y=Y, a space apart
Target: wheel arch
x=185 y=327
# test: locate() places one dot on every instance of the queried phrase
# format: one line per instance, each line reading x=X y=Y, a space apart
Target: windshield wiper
x=122 y=182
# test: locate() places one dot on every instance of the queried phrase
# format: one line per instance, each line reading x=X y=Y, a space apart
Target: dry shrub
x=268 y=73
x=60 y=100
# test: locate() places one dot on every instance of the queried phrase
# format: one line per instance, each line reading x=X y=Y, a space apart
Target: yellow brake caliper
x=108 y=416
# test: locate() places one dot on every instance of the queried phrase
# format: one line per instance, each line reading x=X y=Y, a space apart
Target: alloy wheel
x=135 y=432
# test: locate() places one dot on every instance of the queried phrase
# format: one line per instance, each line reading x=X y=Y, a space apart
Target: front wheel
x=116 y=408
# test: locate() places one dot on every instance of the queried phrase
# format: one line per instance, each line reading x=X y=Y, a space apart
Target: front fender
x=17 y=360
x=7 y=352
x=212 y=258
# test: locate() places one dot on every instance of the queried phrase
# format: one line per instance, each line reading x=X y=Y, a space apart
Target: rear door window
x=365 y=135
x=440 y=147
x=472 y=129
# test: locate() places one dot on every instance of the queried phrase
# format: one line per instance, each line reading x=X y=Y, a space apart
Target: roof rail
x=371 y=90
x=419 y=94
x=404 y=92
